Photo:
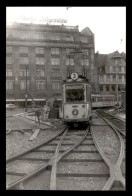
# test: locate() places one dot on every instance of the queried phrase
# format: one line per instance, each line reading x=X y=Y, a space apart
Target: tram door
x=88 y=98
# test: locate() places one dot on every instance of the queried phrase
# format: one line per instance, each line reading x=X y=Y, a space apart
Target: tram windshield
x=73 y=95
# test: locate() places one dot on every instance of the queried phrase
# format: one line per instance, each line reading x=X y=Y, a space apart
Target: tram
x=102 y=101
x=76 y=102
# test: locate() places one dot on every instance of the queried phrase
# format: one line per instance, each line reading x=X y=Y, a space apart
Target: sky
x=108 y=24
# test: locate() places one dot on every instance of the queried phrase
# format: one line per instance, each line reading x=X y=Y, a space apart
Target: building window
x=9 y=49
x=23 y=49
x=55 y=73
x=69 y=38
x=113 y=87
x=117 y=61
x=69 y=61
x=55 y=51
x=23 y=85
x=40 y=73
x=68 y=50
x=51 y=36
x=85 y=62
x=39 y=36
x=39 y=50
x=107 y=87
x=9 y=84
x=55 y=85
x=85 y=51
x=23 y=72
x=114 y=69
x=39 y=61
x=119 y=77
x=40 y=84
x=55 y=61
x=122 y=69
x=57 y=36
x=103 y=68
x=24 y=35
x=101 y=87
x=111 y=68
x=108 y=78
x=119 y=69
x=24 y=60
x=9 y=60
x=9 y=72
x=84 y=39
x=114 y=77
x=101 y=78
x=9 y=34
x=119 y=88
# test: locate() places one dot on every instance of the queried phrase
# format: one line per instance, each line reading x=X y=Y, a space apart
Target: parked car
x=11 y=106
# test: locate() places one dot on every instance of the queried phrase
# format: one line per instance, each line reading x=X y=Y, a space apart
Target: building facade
x=39 y=58
x=111 y=72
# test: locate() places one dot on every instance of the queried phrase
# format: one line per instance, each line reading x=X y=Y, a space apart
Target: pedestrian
x=38 y=114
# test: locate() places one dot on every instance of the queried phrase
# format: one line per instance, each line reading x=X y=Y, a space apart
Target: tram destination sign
x=74 y=86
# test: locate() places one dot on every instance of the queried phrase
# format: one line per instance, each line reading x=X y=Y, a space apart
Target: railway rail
x=114 y=169
x=21 y=157
x=74 y=160
x=114 y=121
x=117 y=127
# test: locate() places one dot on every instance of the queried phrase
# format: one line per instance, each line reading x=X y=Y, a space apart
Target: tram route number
x=74 y=76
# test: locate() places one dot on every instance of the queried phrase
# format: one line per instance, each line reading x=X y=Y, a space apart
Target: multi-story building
x=111 y=72
x=39 y=57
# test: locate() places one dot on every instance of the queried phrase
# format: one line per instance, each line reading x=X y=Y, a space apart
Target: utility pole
x=26 y=92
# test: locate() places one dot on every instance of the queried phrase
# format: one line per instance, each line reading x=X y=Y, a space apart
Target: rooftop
x=31 y=26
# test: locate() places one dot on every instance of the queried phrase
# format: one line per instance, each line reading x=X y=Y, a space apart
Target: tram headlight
x=75 y=112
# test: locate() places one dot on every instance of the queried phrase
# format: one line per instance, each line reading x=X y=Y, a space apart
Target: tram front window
x=73 y=95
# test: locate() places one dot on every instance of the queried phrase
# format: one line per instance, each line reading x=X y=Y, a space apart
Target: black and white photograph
x=66 y=98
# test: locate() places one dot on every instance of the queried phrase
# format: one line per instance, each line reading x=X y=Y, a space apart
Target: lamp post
x=26 y=92
x=117 y=86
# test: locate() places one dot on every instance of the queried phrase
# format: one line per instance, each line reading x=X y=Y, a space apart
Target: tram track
x=113 y=121
x=116 y=176
x=112 y=175
x=74 y=161
x=21 y=157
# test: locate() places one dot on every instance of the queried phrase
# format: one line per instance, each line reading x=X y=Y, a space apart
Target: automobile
x=11 y=106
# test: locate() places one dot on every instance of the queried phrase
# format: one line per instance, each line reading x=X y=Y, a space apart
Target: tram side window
x=73 y=95
x=88 y=94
